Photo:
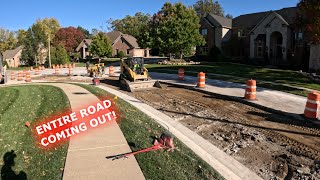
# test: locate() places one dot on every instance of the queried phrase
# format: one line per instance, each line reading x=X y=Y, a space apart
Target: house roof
x=85 y=41
x=113 y=36
x=131 y=40
x=249 y=21
x=10 y=54
x=219 y=20
x=88 y=41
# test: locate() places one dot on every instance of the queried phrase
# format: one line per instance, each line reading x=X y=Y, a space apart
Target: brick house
x=12 y=57
x=215 y=30
x=270 y=37
x=120 y=42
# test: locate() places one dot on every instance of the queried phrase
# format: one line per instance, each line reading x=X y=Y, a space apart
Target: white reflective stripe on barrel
x=251 y=87
x=250 y=92
x=311 y=110
x=202 y=77
x=313 y=102
x=201 y=83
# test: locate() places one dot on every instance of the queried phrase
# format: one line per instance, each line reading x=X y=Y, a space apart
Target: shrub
x=120 y=54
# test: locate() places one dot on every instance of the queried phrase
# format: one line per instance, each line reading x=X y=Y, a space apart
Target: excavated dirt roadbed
x=273 y=145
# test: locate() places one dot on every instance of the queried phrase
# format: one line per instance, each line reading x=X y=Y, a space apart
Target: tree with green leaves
x=203 y=7
x=7 y=40
x=59 y=55
x=101 y=46
x=30 y=48
x=310 y=19
x=85 y=32
x=132 y=25
x=229 y=16
x=38 y=37
x=175 y=29
x=21 y=36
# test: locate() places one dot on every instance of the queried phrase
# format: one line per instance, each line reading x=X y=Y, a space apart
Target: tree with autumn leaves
x=310 y=19
x=68 y=37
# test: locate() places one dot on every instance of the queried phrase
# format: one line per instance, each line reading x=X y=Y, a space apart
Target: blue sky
x=21 y=14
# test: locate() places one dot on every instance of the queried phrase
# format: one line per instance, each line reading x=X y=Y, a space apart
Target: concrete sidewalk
x=86 y=158
x=273 y=99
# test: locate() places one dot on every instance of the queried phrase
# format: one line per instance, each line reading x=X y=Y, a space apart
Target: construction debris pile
x=177 y=62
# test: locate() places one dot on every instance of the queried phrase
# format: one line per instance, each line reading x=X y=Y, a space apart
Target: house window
x=121 y=40
x=128 y=51
x=240 y=33
x=204 y=50
x=299 y=36
x=204 y=32
x=117 y=51
x=260 y=49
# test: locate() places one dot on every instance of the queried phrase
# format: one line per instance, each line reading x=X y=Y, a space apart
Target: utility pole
x=49 y=51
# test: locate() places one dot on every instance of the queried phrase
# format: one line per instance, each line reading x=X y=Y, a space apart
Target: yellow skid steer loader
x=134 y=76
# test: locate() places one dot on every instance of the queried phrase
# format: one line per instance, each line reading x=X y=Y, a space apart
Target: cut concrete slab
x=86 y=158
x=273 y=99
x=228 y=167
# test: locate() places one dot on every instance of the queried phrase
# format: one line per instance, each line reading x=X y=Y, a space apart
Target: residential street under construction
x=271 y=144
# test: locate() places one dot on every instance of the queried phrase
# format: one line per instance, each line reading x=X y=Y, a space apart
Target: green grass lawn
x=242 y=72
x=30 y=103
x=138 y=128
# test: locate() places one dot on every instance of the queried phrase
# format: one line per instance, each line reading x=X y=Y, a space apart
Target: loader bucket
x=140 y=85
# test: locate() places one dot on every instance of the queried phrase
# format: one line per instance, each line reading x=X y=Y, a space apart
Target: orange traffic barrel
x=24 y=73
x=70 y=71
x=56 y=71
x=181 y=74
x=312 y=105
x=53 y=66
x=12 y=76
x=111 y=71
x=251 y=87
x=201 y=80
x=37 y=71
x=28 y=77
x=19 y=76
x=31 y=68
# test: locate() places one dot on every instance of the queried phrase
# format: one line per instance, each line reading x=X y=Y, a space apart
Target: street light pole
x=49 y=51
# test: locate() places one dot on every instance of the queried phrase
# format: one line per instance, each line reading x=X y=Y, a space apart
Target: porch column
x=252 y=37
x=83 y=52
x=268 y=46
x=284 y=45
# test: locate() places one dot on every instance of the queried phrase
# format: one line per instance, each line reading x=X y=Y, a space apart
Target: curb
x=224 y=164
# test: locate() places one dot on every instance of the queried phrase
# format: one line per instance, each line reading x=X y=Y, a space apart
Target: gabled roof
x=276 y=15
x=219 y=20
x=249 y=21
x=87 y=42
x=131 y=40
x=9 y=54
x=113 y=36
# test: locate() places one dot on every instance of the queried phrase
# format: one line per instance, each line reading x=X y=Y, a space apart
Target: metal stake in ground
x=164 y=142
